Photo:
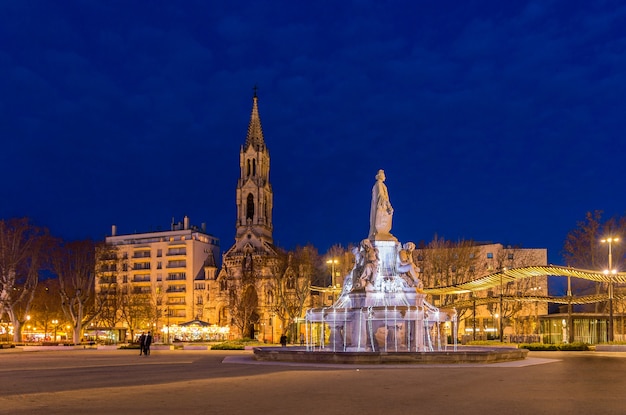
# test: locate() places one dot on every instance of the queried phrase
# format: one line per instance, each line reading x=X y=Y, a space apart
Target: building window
x=490 y=255
x=510 y=256
x=250 y=207
x=223 y=285
x=177 y=264
x=176 y=276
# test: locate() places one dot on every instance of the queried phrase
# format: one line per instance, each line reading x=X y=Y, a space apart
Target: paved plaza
x=230 y=382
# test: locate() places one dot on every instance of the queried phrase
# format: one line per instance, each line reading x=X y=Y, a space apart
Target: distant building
x=506 y=309
x=153 y=279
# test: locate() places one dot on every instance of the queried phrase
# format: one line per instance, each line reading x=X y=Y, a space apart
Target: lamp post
x=27 y=327
x=332 y=263
x=55 y=322
x=610 y=273
x=167 y=311
x=496 y=325
x=501 y=311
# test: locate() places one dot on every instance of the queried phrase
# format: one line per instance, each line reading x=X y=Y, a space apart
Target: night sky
x=494 y=121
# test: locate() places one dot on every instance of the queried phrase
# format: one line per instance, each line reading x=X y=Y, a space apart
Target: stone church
x=241 y=295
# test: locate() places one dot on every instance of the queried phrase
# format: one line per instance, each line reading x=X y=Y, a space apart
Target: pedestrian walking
x=142 y=341
x=146 y=344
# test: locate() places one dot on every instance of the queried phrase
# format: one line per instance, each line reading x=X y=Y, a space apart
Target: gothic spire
x=255 y=132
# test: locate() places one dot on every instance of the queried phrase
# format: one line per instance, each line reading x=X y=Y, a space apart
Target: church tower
x=242 y=293
x=254 y=191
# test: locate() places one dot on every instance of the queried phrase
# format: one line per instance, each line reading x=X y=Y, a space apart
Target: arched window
x=253 y=167
x=250 y=207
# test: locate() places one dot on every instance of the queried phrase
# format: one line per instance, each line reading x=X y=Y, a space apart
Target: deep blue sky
x=494 y=121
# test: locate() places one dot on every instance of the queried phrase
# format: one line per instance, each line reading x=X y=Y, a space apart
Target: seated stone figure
x=407 y=267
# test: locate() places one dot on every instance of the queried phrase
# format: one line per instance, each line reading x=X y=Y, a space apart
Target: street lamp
x=167 y=311
x=610 y=271
x=56 y=324
x=332 y=263
x=498 y=334
x=27 y=326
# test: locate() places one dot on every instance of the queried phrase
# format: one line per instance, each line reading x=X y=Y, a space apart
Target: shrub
x=538 y=347
x=574 y=346
x=228 y=346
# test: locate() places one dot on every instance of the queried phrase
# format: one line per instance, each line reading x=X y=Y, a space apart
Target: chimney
x=186 y=222
x=113 y=230
x=204 y=227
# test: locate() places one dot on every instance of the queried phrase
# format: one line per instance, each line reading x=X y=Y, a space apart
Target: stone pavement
x=231 y=382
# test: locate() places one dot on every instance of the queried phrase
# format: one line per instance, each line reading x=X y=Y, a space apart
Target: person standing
x=146 y=344
x=142 y=342
x=283 y=340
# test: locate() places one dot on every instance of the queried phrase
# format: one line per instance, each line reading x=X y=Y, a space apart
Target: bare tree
x=46 y=306
x=291 y=284
x=445 y=262
x=243 y=305
x=75 y=264
x=583 y=249
x=110 y=271
x=24 y=250
x=136 y=307
x=509 y=295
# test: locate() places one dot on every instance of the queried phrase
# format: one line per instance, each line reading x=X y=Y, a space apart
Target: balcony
x=138 y=278
x=141 y=254
x=177 y=277
x=107 y=280
x=141 y=265
x=176 y=289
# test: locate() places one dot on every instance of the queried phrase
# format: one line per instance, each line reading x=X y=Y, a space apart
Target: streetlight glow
x=610 y=271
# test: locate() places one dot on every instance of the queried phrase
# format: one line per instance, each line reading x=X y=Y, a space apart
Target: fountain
x=381 y=306
x=381 y=310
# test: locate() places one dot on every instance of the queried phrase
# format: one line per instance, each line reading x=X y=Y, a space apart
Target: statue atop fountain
x=381 y=211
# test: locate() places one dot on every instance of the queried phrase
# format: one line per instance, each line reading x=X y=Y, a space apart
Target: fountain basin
x=463 y=355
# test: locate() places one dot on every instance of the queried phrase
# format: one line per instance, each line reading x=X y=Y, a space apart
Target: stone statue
x=366 y=265
x=381 y=211
x=407 y=267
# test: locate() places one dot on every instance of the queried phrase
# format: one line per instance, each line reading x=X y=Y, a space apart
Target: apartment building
x=157 y=279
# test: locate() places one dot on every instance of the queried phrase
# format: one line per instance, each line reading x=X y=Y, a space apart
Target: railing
x=141 y=266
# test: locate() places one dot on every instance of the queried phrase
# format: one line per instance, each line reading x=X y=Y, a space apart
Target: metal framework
x=510 y=275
